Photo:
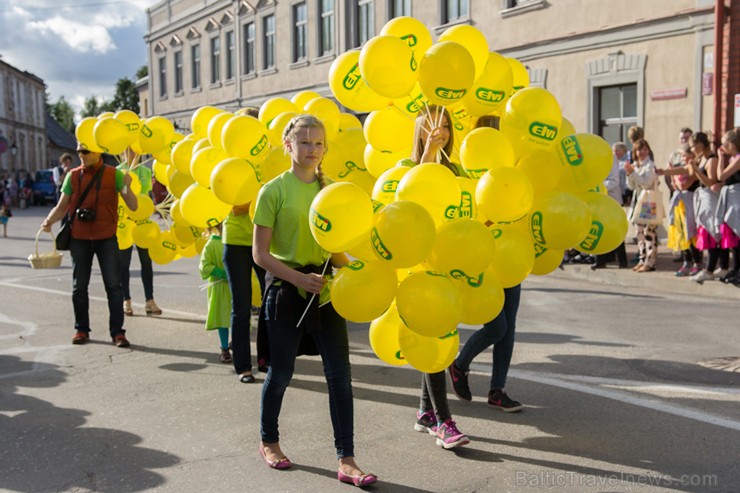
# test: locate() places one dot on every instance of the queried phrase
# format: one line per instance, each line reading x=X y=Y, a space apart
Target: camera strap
x=97 y=179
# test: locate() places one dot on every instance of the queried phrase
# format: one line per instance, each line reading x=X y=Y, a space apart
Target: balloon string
x=312 y=296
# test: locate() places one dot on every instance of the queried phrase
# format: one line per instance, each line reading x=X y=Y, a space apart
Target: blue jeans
x=238 y=264
x=499 y=332
x=147 y=273
x=333 y=345
x=109 y=260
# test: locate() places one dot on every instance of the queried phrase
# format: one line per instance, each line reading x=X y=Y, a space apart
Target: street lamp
x=13 y=149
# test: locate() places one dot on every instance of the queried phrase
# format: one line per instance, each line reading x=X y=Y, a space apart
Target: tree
x=142 y=72
x=63 y=114
x=90 y=107
x=126 y=96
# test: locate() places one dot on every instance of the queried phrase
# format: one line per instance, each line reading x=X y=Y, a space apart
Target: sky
x=79 y=48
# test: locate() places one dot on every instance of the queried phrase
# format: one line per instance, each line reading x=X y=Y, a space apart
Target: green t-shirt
x=238 y=230
x=454 y=167
x=283 y=205
x=143 y=173
x=67 y=185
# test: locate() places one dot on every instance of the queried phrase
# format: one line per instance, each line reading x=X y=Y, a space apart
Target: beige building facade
x=23 y=140
x=610 y=63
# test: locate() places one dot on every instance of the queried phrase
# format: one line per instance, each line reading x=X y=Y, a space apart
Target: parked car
x=43 y=187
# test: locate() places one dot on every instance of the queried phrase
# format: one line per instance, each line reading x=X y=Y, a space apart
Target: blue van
x=44 y=190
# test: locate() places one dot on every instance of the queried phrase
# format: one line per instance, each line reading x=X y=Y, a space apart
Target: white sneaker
x=721 y=272
x=702 y=276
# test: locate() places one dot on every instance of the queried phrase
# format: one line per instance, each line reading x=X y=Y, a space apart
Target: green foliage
x=62 y=112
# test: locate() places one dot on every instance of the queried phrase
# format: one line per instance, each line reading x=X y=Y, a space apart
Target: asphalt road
x=626 y=387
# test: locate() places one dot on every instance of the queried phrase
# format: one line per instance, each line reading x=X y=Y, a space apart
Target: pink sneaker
x=448 y=436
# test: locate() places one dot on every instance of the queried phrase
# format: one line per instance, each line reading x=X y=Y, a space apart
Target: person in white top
x=641 y=176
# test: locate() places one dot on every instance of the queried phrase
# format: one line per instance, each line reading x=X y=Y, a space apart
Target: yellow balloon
x=111 y=135
x=434 y=187
x=483 y=149
x=429 y=304
x=234 y=181
x=378 y=162
x=468 y=208
x=388 y=66
x=504 y=194
x=135 y=183
x=199 y=244
x=363 y=291
x=567 y=128
x=542 y=168
x=532 y=119
x=559 y=220
x=181 y=155
x=514 y=257
x=491 y=89
x=201 y=119
x=302 y=98
x=344 y=157
x=350 y=88
x=588 y=159
x=155 y=134
x=608 y=224
x=277 y=127
x=245 y=137
x=273 y=107
x=386 y=185
x=341 y=215
x=164 y=251
x=145 y=233
x=520 y=75
x=186 y=234
x=160 y=173
x=201 y=208
x=389 y=130
x=446 y=73
x=411 y=104
x=132 y=122
x=276 y=162
x=402 y=234
x=201 y=144
x=545 y=260
x=176 y=214
x=203 y=162
x=84 y=133
x=482 y=296
x=144 y=210
x=412 y=31
x=124 y=234
x=215 y=127
x=179 y=182
x=165 y=155
x=462 y=246
x=428 y=354
x=348 y=121
x=328 y=112
x=383 y=336
x=473 y=40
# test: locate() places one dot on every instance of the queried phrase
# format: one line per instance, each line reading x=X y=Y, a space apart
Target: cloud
x=80 y=37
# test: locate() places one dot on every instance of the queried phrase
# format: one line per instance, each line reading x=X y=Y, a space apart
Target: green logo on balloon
x=449 y=94
x=489 y=95
x=146 y=131
x=320 y=222
x=535 y=224
x=213 y=222
x=572 y=150
x=169 y=245
x=466 y=205
x=260 y=146
x=378 y=245
x=451 y=212
x=410 y=39
x=390 y=186
x=352 y=77
x=399 y=355
x=413 y=64
x=447 y=336
x=593 y=237
x=349 y=167
x=355 y=265
x=543 y=131
x=475 y=173
x=539 y=249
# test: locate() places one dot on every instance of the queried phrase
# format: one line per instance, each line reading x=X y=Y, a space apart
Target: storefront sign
x=663 y=94
x=707 y=83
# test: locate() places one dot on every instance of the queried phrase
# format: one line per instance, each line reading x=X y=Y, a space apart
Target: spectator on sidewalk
x=59 y=172
x=728 y=207
x=614 y=191
x=641 y=176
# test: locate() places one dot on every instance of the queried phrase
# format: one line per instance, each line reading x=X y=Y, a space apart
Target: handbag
x=64 y=236
x=648 y=208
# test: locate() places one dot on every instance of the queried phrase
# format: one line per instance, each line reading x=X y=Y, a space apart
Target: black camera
x=86 y=215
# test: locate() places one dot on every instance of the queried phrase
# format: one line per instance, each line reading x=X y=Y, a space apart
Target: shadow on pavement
x=543 y=338
x=618 y=294
x=47 y=448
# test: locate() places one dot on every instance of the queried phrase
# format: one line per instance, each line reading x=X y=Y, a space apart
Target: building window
x=455 y=10
x=249 y=40
x=162 y=77
x=398 y=8
x=195 y=66
x=269 y=45
x=300 y=31
x=326 y=33
x=365 y=21
x=178 y=72
x=230 y=55
x=617 y=111
x=215 y=60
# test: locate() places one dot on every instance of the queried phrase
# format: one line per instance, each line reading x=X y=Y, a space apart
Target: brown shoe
x=81 y=338
x=151 y=308
x=121 y=341
x=127 y=308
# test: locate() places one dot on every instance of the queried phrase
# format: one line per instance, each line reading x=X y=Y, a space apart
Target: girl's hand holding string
x=311 y=283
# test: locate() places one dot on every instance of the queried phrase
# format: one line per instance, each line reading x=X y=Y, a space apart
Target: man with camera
x=94 y=225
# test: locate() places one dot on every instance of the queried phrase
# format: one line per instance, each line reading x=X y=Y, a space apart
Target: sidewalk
x=660 y=280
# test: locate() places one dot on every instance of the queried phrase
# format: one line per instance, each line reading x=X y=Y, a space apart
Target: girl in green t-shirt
x=284 y=247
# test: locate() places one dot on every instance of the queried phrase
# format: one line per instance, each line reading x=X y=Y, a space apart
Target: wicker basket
x=45 y=260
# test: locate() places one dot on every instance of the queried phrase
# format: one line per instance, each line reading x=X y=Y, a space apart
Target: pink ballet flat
x=360 y=481
x=281 y=463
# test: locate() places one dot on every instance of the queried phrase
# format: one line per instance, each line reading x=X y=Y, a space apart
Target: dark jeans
x=109 y=260
x=434 y=395
x=620 y=253
x=499 y=332
x=333 y=345
x=238 y=264
x=147 y=274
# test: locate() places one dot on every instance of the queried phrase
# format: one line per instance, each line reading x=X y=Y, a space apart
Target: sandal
x=225 y=356
x=361 y=480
